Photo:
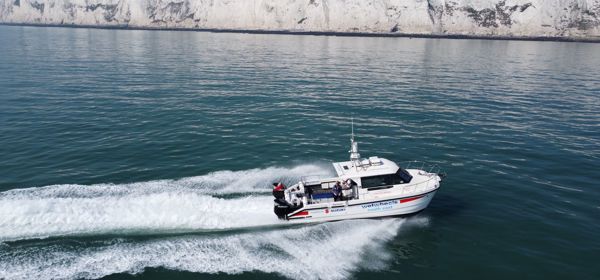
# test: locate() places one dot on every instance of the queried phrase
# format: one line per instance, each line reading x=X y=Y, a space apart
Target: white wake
x=322 y=251
x=183 y=205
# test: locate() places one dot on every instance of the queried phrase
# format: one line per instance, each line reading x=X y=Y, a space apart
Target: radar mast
x=354 y=155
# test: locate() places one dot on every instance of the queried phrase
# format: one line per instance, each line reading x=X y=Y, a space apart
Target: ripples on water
x=514 y=124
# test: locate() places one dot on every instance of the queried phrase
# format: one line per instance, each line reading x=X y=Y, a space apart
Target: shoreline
x=323 y=33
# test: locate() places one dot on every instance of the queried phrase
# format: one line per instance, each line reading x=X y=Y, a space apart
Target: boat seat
x=322 y=195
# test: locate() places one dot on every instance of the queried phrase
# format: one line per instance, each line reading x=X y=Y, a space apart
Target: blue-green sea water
x=149 y=154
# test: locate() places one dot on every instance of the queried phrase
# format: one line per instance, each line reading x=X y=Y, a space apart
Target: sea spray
x=165 y=206
x=323 y=251
x=215 y=183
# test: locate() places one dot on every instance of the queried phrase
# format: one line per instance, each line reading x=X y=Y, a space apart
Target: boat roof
x=372 y=166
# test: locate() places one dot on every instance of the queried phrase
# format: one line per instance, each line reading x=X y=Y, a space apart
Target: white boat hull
x=343 y=210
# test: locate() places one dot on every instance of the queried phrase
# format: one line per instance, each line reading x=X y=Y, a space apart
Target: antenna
x=352 y=129
x=354 y=155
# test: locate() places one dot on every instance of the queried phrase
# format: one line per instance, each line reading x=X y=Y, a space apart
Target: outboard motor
x=282 y=206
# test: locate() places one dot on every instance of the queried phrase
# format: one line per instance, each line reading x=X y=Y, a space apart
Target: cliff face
x=556 y=18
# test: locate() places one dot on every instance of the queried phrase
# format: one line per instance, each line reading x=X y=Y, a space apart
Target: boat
x=370 y=188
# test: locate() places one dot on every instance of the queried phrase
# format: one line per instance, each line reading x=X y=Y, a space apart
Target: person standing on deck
x=347 y=189
x=337 y=191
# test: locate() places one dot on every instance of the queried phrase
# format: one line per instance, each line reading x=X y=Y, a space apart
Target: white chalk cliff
x=515 y=18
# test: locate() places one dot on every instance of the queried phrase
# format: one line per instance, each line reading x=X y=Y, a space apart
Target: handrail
x=421 y=186
x=431 y=169
x=421 y=165
x=315 y=178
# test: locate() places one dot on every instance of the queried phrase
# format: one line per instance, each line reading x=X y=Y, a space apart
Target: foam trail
x=323 y=251
x=151 y=207
x=152 y=213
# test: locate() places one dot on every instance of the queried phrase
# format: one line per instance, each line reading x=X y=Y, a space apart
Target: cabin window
x=400 y=177
x=405 y=177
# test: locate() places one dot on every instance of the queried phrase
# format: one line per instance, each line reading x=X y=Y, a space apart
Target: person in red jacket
x=278 y=190
x=278 y=186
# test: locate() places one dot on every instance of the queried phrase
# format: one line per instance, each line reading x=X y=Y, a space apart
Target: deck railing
x=317 y=179
x=429 y=184
x=430 y=170
x=421 y=165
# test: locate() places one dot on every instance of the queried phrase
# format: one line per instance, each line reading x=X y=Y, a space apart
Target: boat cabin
x=360 y=176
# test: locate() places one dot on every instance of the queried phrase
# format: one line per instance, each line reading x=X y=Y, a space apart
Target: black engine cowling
x=282 y=208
